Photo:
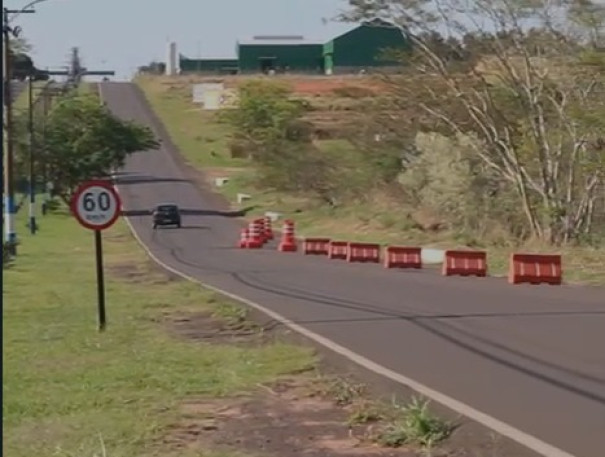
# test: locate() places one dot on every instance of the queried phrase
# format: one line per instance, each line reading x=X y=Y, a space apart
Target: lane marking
x=502 y=428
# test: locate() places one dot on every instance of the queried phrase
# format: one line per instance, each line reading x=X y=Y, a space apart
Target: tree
x=83 y=140
x=20 y=45
x=266 y=116
x=154 y=68
x=269 y=123
x=533 y=102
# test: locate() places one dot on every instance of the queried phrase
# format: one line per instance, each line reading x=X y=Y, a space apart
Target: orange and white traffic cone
x=268 y=228
x=243 y=240
x=262 y=229
x=255 y=240
x=288 y=239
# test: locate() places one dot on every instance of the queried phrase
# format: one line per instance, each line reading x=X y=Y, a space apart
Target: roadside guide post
x=96 y=206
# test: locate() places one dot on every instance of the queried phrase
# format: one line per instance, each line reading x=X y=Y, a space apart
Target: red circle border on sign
x=81 y=189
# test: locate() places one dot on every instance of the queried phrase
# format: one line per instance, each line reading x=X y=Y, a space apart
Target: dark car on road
x=166 y=214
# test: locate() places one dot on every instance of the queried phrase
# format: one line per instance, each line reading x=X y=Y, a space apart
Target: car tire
x=155 y=226
x=178 y=225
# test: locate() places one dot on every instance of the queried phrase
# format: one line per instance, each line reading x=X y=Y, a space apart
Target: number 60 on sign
x=96 y=205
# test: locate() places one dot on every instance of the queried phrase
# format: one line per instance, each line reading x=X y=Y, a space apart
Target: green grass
x=71 y=391
x=21 y=103
x=414 y=424
x=203 y=140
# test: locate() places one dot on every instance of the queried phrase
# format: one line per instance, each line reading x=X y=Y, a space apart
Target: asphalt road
x=530 y=356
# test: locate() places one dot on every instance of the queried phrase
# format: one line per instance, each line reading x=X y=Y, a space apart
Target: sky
x=122 y=35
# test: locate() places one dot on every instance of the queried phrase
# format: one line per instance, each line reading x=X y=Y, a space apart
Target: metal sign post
x=96 y=206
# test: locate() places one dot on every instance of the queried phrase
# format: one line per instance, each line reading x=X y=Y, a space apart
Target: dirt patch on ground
x=220 y=172
x=302 y=85
x=139 y=273
x=286 y=419
x=327 y=86
x=128 y=272
x=205 y=327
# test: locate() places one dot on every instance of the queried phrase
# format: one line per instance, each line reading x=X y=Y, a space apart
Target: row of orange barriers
x=523 y=268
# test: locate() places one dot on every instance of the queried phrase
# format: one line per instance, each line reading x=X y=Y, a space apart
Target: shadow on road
x=192 y=212
x=125 y=180
x=184 y=227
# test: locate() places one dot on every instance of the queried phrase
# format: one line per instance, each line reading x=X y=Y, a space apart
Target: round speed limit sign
x=96 y=205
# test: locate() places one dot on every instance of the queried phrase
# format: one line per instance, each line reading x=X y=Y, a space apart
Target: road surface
x=530 y=356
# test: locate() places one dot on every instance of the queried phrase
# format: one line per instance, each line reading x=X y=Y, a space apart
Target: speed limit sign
x=96 y=205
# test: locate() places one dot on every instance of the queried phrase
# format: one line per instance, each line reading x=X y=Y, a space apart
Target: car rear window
x=167 y=208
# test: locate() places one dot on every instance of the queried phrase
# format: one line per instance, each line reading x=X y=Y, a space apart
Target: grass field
x=70 y=391
x=197 y=134
x=22 y=101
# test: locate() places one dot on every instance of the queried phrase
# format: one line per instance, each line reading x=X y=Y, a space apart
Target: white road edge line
x=494 y=424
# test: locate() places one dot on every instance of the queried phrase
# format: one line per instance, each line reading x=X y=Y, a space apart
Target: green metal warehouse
x=280 y=53
x=362 y=47
x=220 y=66
x=359 y=48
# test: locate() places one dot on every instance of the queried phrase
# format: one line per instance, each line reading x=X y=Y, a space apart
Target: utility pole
x=32 y=159
x=76 y=71
x=10 y=236
x=45 y=110
x=7 y=161
x=46 y=95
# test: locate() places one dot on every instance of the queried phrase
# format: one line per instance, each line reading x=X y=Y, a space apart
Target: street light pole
x=9 y=196
x=10 y=235
x=32 y=146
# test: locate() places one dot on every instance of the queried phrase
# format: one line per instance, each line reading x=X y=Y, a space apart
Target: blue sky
x=123 y=34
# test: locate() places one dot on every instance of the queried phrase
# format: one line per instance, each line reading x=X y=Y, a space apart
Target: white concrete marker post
x=242 y=198
x=273 y=216
x=220 y=182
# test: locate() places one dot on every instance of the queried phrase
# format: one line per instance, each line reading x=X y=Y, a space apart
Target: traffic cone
x=243 y=241
x=268 y=228
x=288 y=240
x=261 y=228
x=254 y=240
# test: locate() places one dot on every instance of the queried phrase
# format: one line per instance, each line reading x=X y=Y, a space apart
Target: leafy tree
x=266 y=116
x=270 y=124
x=83 y=140
x=154 y=68
x=533 y=101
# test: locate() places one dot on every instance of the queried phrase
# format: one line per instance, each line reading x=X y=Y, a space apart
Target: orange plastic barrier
x=363 y=252
x=316 y=246
x=535 y=269
x=402 y=257
x=288 y=239
x=465 y=263
x=338 y=250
